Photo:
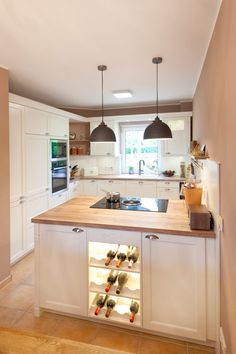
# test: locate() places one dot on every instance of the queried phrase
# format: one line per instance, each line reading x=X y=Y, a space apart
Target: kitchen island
x=172 y=280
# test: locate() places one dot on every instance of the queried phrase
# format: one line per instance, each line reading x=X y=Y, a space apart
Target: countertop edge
x=129 y=178
x=191 y=233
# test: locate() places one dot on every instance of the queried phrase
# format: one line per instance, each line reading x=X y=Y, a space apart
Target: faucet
x=140 y=171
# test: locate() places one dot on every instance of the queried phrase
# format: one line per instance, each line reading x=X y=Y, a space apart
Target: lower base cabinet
x=174 y=289
x=169 y=280
x=62 y=269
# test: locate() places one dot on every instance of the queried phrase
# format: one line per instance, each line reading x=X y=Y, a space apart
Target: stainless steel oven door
x=59 y=178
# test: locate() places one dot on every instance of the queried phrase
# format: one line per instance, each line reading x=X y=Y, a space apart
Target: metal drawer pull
x=152 y=237
x=77 y=229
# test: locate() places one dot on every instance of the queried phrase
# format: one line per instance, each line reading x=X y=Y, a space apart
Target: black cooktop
x=136 y=204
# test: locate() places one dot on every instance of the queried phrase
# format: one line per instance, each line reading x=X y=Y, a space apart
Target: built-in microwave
x=58 y=149
x=59 y=175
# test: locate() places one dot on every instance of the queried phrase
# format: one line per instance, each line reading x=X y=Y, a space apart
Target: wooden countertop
x=133 y=177
x=77 y=212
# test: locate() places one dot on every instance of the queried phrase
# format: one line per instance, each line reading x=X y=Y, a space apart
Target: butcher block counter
x=77 y=212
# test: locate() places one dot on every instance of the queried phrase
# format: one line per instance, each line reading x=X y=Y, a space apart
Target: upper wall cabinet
x=106 y=148
x=179 y=144
x=44 y=123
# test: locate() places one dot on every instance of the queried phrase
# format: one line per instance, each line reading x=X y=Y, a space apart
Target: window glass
x=134 y=148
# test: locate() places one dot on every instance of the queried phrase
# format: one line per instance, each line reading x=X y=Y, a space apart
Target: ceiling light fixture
x=157 y=129
x=122 y=94
x=102 y=133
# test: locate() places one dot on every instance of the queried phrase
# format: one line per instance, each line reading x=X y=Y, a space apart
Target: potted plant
x=131 y=170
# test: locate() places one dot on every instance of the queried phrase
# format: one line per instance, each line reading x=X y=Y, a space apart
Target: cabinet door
x=16 y=231
x=33 y=206
x=179 y=144
x=58 y=126
x=174 y=293
x=111 y=186
x=168 y=193
x=36 y=164
x=15 y=143
x=90 y=187
x=62 y=274
x=36 y=121
x=58 y=199
x=145 y=189
x=75 y=189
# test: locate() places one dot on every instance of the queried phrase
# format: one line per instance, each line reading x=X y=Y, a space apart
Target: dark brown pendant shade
x=157 y=129
x=102 y=133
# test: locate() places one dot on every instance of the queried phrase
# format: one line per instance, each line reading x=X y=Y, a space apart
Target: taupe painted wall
x=214 y=124
x=183 y=106
x=4 y=179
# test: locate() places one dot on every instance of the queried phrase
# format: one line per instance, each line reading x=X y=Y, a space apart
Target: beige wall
x=4 y=179
x=214 y=124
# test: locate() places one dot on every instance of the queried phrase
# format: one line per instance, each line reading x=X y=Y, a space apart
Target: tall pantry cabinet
x=30 y=183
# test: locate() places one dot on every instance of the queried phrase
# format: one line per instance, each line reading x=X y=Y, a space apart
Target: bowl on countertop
x=168 y=173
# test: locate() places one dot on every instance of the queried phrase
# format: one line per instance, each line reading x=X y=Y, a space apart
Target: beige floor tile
x=152 y=346
x=36 y=324
x=20 y=297
x=115 y=339
x=9 y=316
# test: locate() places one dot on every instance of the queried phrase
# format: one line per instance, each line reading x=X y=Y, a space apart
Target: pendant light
x=157 y=129
x=102 y=133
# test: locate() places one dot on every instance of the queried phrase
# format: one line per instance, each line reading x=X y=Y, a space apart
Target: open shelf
x=120 y=313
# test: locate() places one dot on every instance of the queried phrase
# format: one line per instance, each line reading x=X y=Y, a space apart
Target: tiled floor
x=16 y=311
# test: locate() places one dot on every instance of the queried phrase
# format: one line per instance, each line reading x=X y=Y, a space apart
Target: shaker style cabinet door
x=174 y=291
x=35 y=121
x=62 y=272
x=58 y=126
x=144 y=189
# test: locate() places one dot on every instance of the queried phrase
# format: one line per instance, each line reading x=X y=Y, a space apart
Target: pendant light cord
x=157 y=88
x=102 y=95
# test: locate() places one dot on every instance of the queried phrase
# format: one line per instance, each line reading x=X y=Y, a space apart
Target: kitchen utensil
x=112 y=197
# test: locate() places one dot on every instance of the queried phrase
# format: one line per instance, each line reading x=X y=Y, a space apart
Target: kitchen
x=198 y=109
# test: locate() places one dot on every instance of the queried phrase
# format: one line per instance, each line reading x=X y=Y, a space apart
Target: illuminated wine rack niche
x=98 y=274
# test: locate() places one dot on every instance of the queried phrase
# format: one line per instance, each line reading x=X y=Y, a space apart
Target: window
x=134 y=148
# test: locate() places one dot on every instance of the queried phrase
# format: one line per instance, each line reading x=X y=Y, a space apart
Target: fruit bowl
x=168 y=173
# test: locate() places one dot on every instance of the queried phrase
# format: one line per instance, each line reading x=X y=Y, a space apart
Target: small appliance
x=58 y=149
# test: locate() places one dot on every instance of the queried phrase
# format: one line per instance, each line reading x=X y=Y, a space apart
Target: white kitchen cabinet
x=168 y=190
x=59 y=198
x=36 y=164
x=105 y=148
x=90 y=187
x=75 y=189
x=145 y=189
x=111 y=185
x=62 y=269
x=40 y=122
x=174 y=289
x=35 y=121
x=179 y=144
x=58 y=126
x=17 y=243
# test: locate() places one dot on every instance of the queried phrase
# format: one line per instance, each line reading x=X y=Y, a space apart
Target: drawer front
x=167 y=184
x=114 y=236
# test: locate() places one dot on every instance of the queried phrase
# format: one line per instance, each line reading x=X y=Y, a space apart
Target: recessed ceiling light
x=122 y=94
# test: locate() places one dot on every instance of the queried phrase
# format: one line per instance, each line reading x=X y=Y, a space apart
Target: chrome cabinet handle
x=93 y=180
x=65 y=135
x=140 y=182
x=110 y=181
x=167 y=182
x=152 y=237
x=47 y=133
x=77 y=230
x=47 y=189
x=167 y=189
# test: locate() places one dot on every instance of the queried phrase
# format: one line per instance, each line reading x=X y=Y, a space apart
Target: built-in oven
x=58 y=149
x=59 y=175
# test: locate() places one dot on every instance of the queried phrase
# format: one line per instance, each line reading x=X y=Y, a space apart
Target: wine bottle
x=110 y=256
x=110 y=306
x=134 y=307
x=133 y=256
x=122 y=280
x=111 y=279
x=100 y=303
x=121 y=257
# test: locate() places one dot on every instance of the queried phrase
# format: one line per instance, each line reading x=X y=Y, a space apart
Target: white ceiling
x=52 y=48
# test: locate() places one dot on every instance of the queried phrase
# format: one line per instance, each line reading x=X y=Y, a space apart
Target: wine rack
x=98 y=274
